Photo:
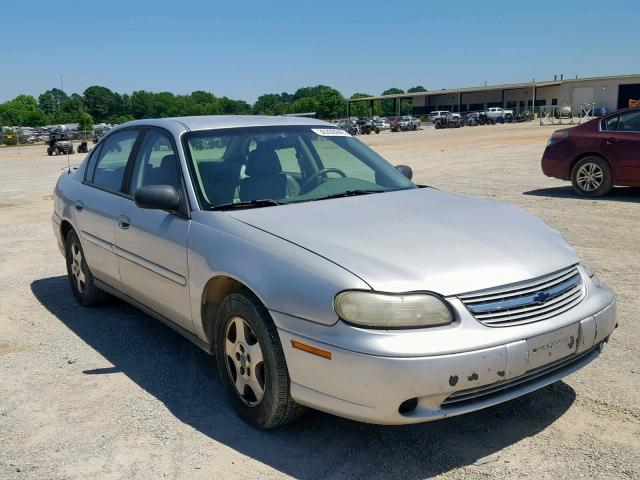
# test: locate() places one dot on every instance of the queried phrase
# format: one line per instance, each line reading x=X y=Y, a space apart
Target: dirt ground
x=110 y=393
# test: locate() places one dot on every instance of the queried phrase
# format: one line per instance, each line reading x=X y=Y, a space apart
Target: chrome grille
x=527 y=302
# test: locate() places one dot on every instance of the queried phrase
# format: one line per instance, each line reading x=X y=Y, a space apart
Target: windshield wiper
x=264 y=202
x=350 y=193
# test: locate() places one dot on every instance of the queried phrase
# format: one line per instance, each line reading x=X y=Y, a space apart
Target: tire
x=49 y=151
x=237 y=364
x=80 y=277
x=592 y=177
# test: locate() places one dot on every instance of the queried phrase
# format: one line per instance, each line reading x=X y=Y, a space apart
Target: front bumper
x=370 y=386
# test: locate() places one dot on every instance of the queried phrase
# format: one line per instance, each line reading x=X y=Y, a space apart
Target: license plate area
x=552 y=346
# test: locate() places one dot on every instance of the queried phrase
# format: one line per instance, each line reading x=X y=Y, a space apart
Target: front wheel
x=251 y=363
x=80 y=277
x=591 y=177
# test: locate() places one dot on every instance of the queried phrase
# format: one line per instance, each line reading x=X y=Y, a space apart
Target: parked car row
x=366 y=126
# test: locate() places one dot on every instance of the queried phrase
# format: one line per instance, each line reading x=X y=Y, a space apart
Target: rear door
x=97 y=206
x=620 y=143
x=152 y=244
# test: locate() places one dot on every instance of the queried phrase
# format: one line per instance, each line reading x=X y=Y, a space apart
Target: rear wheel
x=251 y=363
x=80 y=277
x=592 y=177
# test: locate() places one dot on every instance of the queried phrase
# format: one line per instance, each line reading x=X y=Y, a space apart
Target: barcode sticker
x=330 y=132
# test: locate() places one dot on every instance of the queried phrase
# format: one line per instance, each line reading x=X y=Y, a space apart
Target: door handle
x=78 y=206
x=124 y=222
x=610 y=141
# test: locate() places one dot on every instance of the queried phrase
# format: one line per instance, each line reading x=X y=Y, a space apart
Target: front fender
x=285 y=277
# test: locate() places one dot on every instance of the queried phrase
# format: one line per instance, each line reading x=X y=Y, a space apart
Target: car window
x=209 y=149
x=610 y=124
x=91 y=163
x=112 y=162
x=287 y=164
x=332 y=155
x=156 y=163
x=629 y=122
x=288 y=160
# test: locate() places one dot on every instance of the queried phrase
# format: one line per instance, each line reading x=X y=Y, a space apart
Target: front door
x=152 y=244
x=620 y=143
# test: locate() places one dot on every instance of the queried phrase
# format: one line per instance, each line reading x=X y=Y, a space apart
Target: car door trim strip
x=97 y=241
x=153 y=267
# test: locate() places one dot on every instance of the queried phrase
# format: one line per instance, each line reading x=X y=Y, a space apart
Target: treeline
x=99 y=104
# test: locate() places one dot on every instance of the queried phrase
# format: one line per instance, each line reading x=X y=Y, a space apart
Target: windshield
x=287 y=164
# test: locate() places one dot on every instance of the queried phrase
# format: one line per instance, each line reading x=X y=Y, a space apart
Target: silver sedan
x=320 y=275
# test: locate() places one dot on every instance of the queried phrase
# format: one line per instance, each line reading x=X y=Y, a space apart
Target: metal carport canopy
x=444 y=91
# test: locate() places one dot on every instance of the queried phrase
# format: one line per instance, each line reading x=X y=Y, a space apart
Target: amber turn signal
x=309 y=349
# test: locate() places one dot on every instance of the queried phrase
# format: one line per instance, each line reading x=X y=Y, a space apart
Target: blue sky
x=244 y=48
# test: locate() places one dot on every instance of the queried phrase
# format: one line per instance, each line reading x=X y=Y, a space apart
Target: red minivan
x=598 y=154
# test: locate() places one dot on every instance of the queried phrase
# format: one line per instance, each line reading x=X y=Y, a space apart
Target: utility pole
x=61 y=84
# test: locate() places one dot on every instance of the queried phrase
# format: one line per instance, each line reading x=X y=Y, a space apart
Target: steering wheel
x=319 y=173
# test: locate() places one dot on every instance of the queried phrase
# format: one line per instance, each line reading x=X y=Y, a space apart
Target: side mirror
x=158 y=197
x=405 y=170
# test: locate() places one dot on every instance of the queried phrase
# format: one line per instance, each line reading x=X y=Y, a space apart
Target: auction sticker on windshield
x=330 y=132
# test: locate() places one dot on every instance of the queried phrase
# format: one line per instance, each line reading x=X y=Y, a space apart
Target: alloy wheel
x=76 y=267
x=589 y=177
x=245 y=362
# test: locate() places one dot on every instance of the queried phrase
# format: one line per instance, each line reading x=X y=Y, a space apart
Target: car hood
x=420 y=239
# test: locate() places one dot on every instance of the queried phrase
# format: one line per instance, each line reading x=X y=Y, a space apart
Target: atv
x=367 y=126
x=59 y=144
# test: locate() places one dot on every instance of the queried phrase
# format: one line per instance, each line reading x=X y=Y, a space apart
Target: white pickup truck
x=441 y=114
x=495 y=112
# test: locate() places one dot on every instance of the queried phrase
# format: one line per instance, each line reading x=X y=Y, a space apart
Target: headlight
x=386 y=310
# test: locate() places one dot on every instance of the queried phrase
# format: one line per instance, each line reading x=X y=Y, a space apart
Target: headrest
x=263 y=162
x=168 y=161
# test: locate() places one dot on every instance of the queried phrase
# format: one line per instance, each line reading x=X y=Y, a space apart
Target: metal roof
x=505 y=86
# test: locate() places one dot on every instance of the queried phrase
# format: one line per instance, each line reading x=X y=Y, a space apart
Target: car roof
x=178 y=125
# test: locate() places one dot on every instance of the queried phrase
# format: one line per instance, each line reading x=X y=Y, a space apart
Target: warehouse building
x=611 y=93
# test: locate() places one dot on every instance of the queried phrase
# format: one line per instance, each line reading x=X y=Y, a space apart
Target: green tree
x=331 y=104
x=272 y=104
x=102 y=103
x=419 y=88
x=304 y=105
x=234 y=107
x=51 y=101
x=141 y=104
x=85 y=122
x=24 y=111
x=311 y=92
x=203 y=103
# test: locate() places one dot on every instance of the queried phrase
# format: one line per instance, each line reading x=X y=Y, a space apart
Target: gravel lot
x=110 y=393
